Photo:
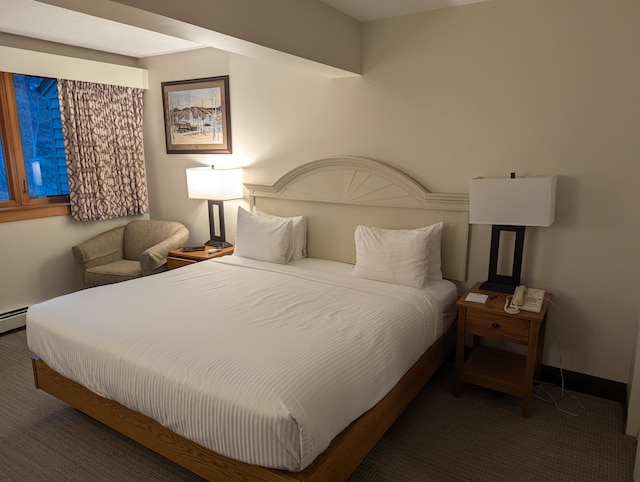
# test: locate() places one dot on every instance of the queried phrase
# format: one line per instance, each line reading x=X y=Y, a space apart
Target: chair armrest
x=154 y=259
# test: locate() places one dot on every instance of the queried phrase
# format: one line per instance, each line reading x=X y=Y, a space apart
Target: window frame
x=20 y=205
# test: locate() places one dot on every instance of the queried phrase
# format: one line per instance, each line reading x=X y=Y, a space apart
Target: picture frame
x=197 y=116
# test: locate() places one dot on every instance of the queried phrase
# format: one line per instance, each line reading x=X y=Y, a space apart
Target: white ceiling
x=30 y=18
x=47 y=22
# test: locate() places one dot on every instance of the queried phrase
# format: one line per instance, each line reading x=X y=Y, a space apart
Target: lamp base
x=218 y=244
x=504 y=283
x=500 y=287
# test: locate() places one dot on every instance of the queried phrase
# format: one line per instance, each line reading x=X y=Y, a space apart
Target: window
x=33 y=171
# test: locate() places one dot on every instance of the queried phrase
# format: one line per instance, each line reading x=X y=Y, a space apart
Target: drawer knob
x=495 y=325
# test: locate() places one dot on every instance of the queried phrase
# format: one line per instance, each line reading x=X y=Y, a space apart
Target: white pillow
x=298 y=245
x=434 y=252
x=261 y=238
x=434 y=261
x=396 y=256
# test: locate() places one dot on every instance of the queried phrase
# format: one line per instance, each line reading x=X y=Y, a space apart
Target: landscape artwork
x=197 y=116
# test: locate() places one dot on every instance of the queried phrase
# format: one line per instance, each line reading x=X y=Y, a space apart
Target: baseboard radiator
x=13 y=319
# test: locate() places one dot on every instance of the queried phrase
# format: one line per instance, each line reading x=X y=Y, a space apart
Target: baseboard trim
x=579 y=382
x=13 y=319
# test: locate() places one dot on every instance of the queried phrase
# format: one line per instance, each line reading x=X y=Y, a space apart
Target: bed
x=313 y=364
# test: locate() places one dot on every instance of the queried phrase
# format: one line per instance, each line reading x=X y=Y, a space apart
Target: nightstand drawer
x=497 y=327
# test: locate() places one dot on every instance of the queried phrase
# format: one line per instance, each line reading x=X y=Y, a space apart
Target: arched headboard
x=337 y=194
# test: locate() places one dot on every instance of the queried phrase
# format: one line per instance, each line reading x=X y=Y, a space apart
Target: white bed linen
x=444 y=290
x=259 y=362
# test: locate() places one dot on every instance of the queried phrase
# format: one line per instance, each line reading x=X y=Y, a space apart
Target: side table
x=497 y=369
x=178 y=258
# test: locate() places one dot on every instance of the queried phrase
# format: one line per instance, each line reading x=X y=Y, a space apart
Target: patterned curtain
x=102 y=128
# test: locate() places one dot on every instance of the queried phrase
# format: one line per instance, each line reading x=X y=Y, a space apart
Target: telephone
x=528 y=299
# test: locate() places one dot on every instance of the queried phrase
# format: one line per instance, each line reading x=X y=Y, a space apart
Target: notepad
x=476 y=297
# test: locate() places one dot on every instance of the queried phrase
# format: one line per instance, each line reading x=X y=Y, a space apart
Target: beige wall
x=536 y=87
x=542 y=87
x=36 y=258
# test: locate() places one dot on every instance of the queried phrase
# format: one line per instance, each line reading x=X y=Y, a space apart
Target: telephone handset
x=527 y=299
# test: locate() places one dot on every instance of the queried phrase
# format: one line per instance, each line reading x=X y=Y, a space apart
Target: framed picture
x=197 y=116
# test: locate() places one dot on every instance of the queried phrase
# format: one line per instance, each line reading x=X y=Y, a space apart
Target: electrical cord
x=549 y=398
x=512 y=310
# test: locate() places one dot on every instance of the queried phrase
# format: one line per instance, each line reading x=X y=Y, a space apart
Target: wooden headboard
x=337 y=194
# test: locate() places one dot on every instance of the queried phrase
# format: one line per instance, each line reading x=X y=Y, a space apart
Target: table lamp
x=509 y=205
x=216 y=186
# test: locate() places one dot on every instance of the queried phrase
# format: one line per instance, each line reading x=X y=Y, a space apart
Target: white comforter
x=259 y=362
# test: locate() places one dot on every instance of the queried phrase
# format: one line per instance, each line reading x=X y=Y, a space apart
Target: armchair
x=137 y=249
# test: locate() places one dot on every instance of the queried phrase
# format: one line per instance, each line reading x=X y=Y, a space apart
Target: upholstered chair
x=139 y=248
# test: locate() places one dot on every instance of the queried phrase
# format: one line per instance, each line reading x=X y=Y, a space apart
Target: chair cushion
x=115 y=272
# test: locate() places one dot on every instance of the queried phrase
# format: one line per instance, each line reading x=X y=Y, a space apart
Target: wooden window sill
x=43 y=211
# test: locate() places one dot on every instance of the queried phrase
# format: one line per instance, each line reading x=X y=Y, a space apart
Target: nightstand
x=494 y=368
x=178 y=258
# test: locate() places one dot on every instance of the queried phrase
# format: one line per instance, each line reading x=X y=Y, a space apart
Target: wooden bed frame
x=336 y=463
x=354 y=191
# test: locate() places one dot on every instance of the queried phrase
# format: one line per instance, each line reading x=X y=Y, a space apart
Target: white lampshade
x=521 y=201
x=217 y=184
